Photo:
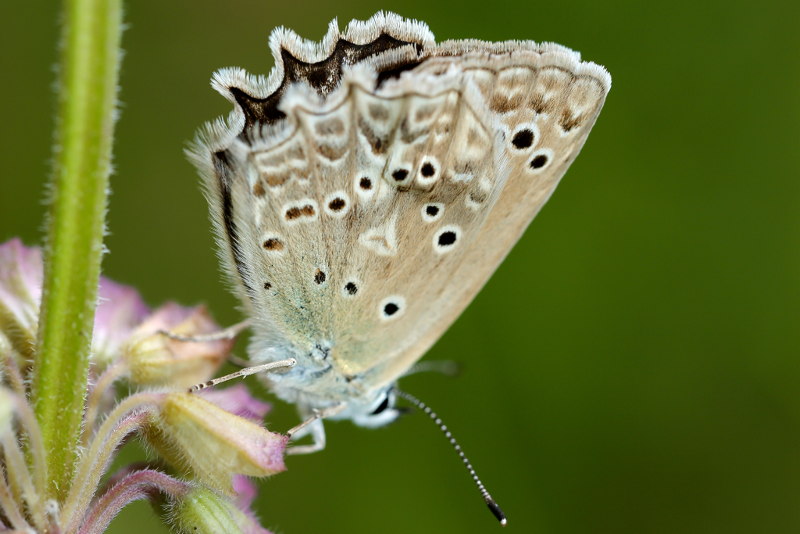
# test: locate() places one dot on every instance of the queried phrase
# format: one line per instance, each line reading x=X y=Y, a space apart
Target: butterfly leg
x=228 y=333
x=316 y=429
x=312 y=426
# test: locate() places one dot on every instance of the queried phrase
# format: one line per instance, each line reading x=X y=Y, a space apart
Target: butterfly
x=364 y=192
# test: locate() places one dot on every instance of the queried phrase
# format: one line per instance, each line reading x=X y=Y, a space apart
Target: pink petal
x=238 y=401
x=120 y=309
x=21 y=283
x=245 y=491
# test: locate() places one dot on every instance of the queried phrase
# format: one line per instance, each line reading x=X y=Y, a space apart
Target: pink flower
x=119 y=310
x=155 y=359
x=215 y=438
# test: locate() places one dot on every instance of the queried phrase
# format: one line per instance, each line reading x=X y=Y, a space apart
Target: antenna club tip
x=497 y=512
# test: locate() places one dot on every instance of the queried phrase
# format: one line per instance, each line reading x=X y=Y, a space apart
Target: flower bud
x=155 y=359
x=202 y=511
x=196 y=435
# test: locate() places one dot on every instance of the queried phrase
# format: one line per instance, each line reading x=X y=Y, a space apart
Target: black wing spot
x=400 y=174
x=522 y=139
x=539 y=161
x=447 y=238
x=337 y=204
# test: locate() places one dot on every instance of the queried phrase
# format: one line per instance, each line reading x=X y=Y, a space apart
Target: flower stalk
x=134 y=486
x=128 y=417
x=89 y=68
x=69 y=338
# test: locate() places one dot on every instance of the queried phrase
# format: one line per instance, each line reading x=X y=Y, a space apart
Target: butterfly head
x=321 y=381
x=380 y=410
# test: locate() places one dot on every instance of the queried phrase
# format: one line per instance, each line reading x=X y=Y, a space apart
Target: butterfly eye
x=381 y=411
x=382 y=406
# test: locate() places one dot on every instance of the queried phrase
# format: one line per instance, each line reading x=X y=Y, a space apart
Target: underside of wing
x=365 y=191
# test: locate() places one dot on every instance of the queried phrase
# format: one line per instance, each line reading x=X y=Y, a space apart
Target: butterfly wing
x=543 y=102
x=367 y=190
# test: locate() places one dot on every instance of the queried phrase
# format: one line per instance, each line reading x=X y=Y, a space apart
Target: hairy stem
x=35 y=447
x=101 y=387
x=89 y=68
x=20 y=478
x=133 y=487
x=129 y=416
x=10 y=508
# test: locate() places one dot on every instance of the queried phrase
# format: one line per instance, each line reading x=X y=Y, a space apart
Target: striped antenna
x=247 y=371
x=487 y=498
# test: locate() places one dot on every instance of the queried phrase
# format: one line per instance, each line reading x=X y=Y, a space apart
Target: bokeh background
x=633 y=367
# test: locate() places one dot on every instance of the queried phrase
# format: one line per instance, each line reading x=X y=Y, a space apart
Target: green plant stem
x=127 y=417
x=87 y=96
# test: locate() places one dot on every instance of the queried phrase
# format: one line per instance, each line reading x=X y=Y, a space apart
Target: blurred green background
x=631 y=368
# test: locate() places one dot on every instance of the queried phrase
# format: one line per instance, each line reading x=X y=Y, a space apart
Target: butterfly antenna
x=490 y=502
